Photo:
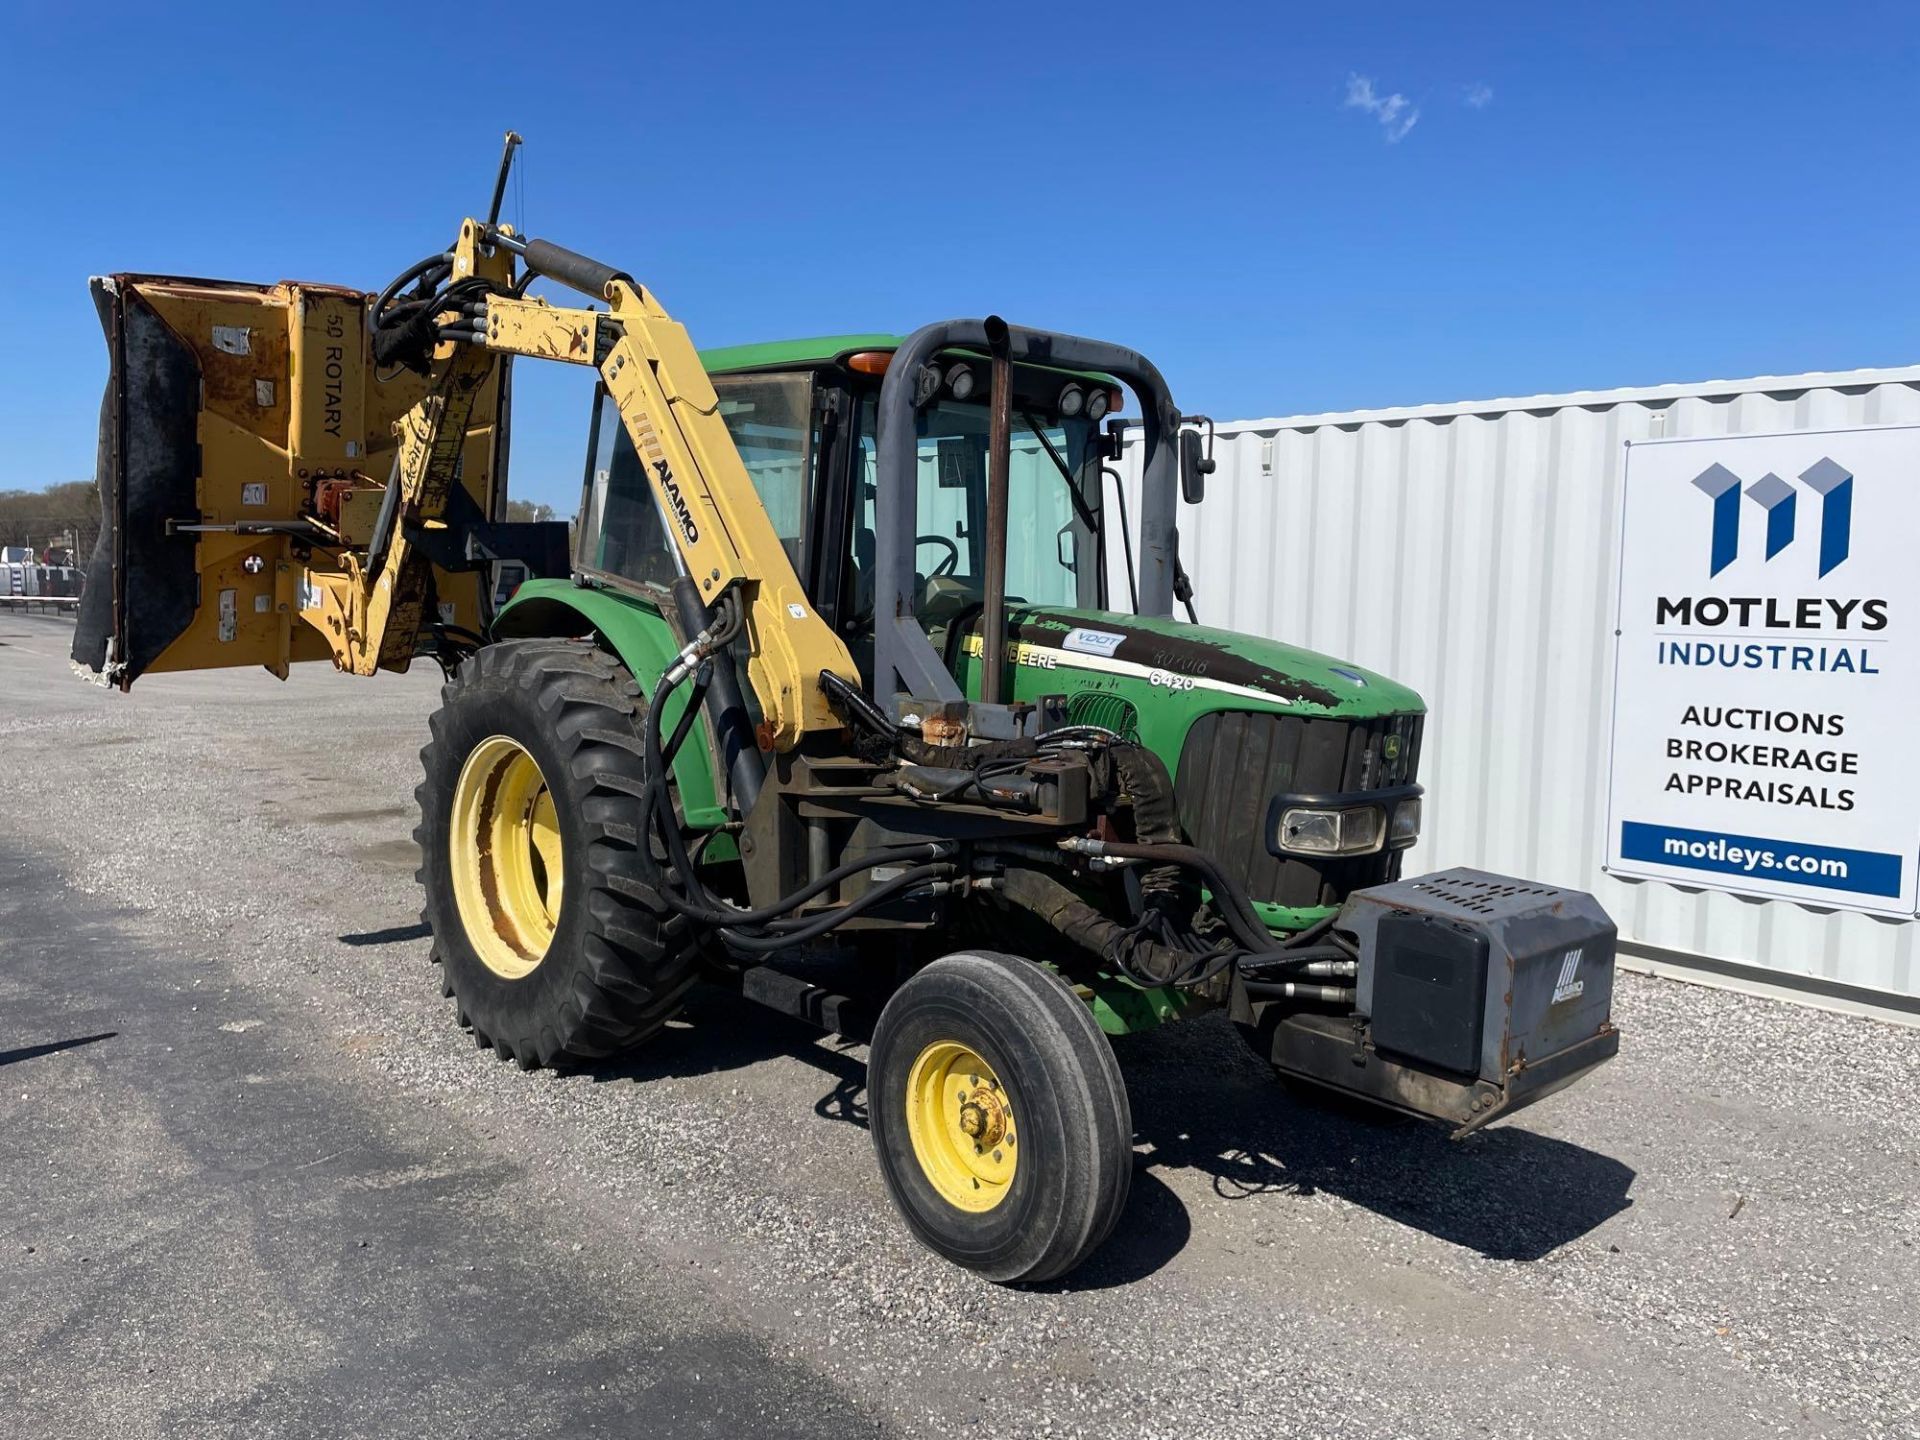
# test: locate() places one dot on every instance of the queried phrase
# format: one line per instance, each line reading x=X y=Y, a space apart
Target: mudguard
x=646 y=643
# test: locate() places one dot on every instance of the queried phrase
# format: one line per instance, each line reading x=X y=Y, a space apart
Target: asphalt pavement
x=254 y=1182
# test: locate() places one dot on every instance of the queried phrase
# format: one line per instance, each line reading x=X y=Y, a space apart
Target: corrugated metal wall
x=1470 y=551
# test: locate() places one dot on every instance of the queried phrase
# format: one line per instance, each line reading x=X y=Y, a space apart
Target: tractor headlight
x=961 y=381
x=1404 y=828
x=1098 y=403
x=1306 y=830
x=1072 y=401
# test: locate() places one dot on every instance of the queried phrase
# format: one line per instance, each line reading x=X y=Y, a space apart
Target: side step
x=801 y=998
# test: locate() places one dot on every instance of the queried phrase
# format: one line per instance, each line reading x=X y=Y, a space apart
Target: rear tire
x=551 y=942
x=999 y=1117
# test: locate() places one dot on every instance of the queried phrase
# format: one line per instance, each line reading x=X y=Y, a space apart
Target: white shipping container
x=1470 y=550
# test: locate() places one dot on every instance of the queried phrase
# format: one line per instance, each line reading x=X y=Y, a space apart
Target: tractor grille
x=1236 y=761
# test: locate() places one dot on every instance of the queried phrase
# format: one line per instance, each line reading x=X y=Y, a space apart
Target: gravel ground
x=281 y=1194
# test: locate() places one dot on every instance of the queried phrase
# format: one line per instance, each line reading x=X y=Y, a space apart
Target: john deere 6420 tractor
x=837 y=694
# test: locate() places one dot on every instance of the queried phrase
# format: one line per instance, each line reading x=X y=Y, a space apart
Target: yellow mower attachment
x=247 y=443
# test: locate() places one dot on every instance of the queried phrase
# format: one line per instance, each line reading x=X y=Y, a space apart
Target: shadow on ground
x=52 y=1047
x=1201 y=1102
x=392 y=935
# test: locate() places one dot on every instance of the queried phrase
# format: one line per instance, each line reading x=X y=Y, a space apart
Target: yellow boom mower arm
x=715 y=518
x=271 y=495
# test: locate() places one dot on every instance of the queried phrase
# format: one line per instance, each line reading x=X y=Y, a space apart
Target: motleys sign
x=1767 y=667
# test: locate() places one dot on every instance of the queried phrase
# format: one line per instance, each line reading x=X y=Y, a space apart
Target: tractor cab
x=804 y=417
x=1084 y=628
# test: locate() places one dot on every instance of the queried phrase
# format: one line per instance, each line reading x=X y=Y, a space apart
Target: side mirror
x=1195 y=465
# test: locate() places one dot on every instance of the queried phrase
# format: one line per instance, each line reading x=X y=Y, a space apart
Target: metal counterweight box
x=1476 y=994
x=1429 y=990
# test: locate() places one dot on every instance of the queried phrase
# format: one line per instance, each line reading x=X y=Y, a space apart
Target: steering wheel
x=949 y=562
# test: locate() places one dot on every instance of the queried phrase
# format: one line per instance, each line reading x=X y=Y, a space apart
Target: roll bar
x=904 y=659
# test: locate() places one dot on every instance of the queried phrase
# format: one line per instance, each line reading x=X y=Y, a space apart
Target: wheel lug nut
x=996 y=1157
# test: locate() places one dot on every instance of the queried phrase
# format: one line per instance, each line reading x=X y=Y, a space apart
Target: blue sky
x=1290 y=208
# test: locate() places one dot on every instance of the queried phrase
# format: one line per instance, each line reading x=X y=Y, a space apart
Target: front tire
x=999 y=1117
x=551 y=940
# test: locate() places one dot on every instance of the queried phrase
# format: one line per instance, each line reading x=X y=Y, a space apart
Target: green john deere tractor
x=856 y=688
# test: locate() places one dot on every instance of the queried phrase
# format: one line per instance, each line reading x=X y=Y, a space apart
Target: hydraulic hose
x=1313 y=932
x=407 y=276
x=771 y=914
x=688 y=717
x=737 y=924
x=726 y=705
x=1236 y=910
x=1302 y=958
x=814 y=928
x=1291 y=990
x=1149 y=961
x=853 y=704
x=1137 y=956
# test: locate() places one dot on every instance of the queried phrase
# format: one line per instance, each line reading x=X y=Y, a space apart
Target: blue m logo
x=1829 y=481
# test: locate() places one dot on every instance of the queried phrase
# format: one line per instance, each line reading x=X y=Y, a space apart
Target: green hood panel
x=1154 y=679
x=1167 y=660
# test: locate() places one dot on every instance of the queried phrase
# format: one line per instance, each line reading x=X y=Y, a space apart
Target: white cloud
x=1478 y=96
x=1396 y=114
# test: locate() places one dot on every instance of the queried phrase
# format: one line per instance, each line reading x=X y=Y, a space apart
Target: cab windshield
x=1053 y=510
x=1054 y=494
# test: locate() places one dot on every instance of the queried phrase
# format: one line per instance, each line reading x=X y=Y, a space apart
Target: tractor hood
x=1197 y=661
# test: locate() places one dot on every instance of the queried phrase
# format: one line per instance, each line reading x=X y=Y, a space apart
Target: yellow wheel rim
x=504 y=843
x=961 y=1122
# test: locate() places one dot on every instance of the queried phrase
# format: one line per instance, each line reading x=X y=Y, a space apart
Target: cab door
x=770 y=416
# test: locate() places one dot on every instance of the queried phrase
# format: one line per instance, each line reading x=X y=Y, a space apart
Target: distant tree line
x=59 y=514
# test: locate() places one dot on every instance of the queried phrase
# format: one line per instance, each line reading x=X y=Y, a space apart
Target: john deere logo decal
x=1826 y=479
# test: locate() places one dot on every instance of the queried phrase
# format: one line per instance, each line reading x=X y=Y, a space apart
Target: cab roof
x=818 y=350
x=792 y=354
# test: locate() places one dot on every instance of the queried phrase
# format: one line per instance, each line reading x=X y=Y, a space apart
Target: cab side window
x=771 y=420
x=620 y=531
